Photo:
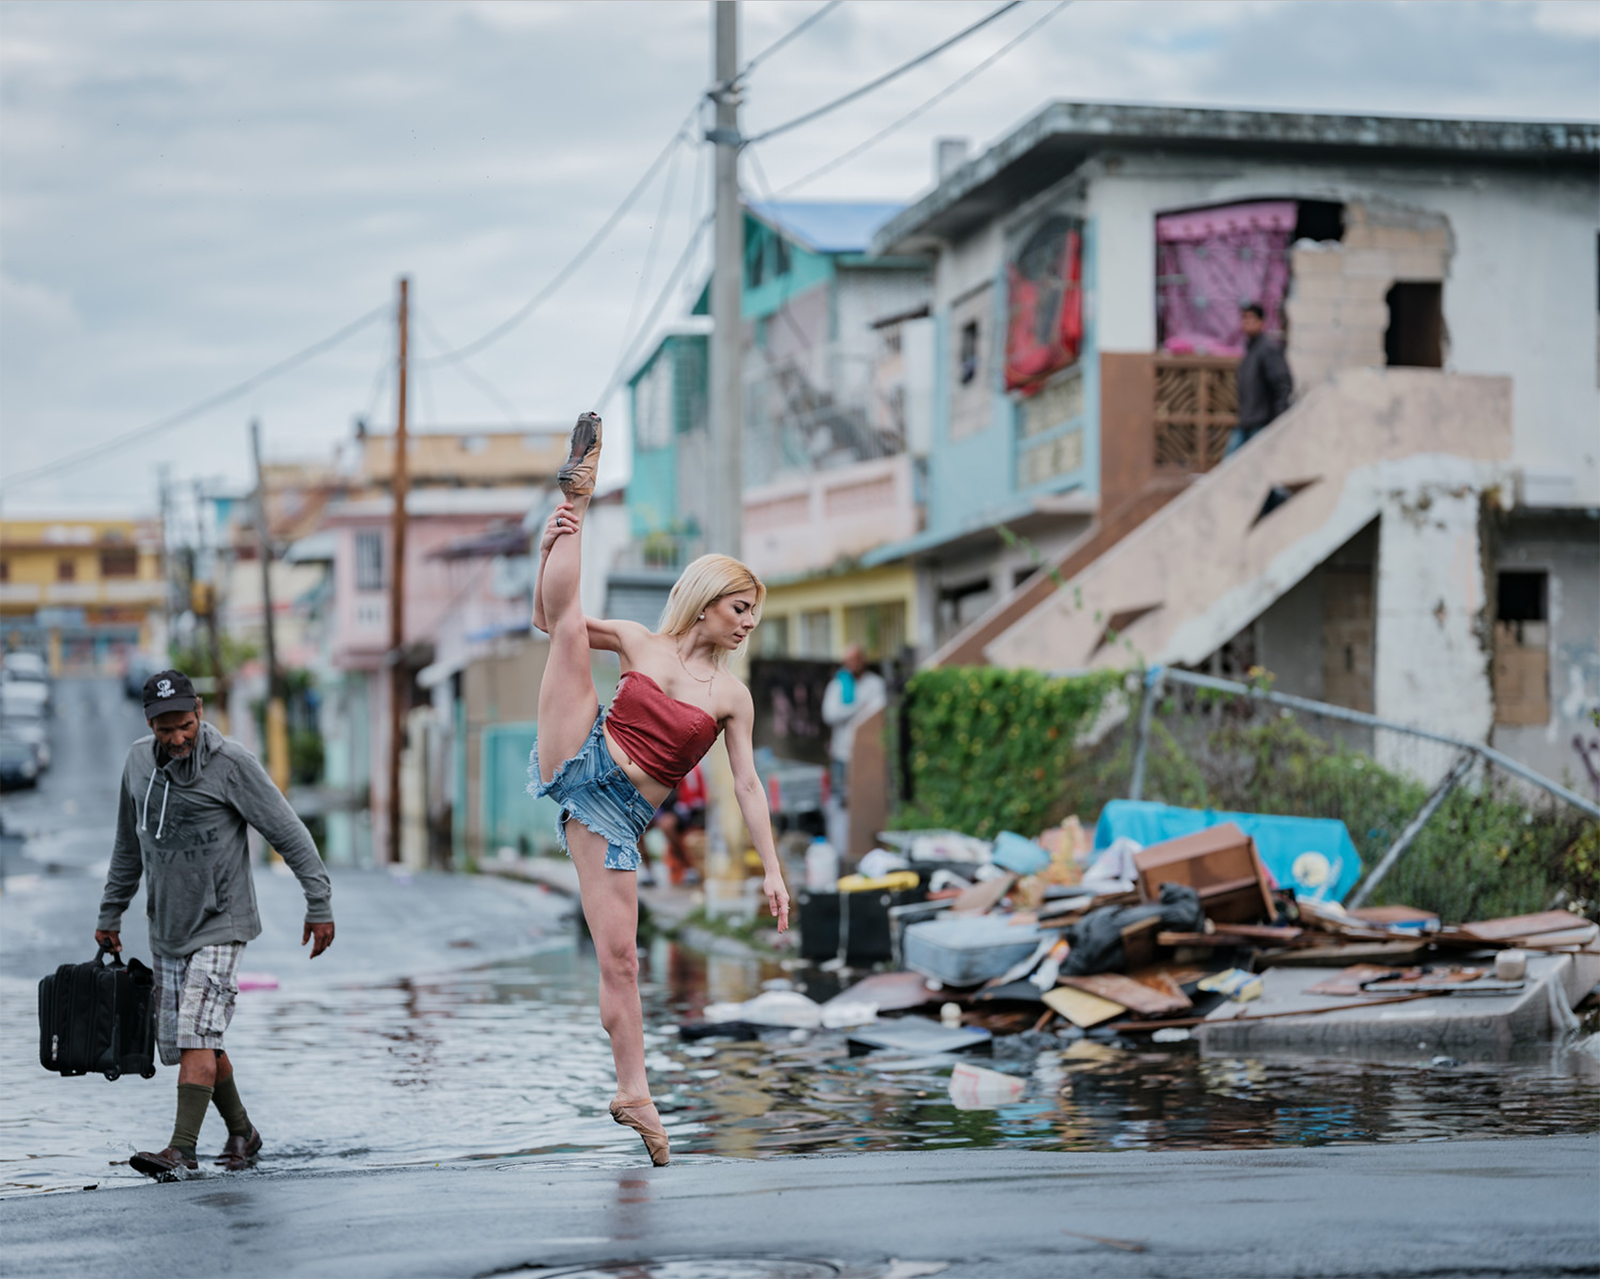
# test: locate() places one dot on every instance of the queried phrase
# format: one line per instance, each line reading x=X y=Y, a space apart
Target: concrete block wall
x=1337 y=310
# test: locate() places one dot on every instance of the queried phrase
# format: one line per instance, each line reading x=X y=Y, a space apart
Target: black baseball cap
x=168 y=691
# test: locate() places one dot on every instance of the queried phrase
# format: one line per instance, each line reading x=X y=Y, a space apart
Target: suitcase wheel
x=149 y=1072
x=115 y=1072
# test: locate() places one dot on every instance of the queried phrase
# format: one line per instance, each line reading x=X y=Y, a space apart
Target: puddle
x=508 y=1062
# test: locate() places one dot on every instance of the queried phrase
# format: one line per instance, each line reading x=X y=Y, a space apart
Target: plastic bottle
x=822 y=867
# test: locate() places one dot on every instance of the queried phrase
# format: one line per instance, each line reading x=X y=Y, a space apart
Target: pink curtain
x=1211 y=261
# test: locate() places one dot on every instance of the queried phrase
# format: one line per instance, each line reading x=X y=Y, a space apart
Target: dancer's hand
x=777 y=899
x=563 y=519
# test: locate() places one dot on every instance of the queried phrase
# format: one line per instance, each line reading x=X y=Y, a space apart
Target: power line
x=579 y=258
x=885 y=78
x=112 y=445
x=689 y=249
x=782 y=40
x=926 y=106
x=655 y=241
x=477 y=379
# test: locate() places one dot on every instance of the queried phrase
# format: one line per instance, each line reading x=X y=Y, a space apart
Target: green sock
x=225 y=1097
x=192 y=1102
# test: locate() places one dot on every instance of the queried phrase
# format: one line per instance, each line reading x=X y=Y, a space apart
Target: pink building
x=451 y=599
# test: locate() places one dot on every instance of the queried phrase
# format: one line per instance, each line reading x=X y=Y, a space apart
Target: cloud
x=190 y=193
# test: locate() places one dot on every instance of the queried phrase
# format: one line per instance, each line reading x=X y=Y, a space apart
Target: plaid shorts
x=194 y=998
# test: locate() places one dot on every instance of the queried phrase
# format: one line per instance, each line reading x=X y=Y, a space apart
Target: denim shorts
x=592 y=787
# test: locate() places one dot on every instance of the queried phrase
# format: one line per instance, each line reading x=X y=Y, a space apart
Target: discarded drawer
x=1220 y=863
x=965 y=952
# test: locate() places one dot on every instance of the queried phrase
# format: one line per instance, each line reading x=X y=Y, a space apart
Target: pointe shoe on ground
x=576 y=476
x=655 y=1136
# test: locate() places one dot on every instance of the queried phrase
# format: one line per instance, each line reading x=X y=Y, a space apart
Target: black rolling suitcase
x=98 y=1018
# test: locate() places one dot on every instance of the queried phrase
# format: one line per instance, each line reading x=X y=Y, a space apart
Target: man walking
x=1264 y=381
x=852 y=694
x=188 y=793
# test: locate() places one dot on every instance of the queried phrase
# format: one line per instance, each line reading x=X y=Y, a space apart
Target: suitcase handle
x=102 y=952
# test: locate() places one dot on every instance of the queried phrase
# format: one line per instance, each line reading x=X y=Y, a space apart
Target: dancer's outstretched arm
x=611 y=635
x=753 y=804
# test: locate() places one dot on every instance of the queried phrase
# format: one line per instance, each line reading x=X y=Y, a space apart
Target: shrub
x=988 y=750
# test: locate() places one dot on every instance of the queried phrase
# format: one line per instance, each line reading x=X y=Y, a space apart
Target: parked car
x=28 y=668
x=22 y=716
x=18 y=768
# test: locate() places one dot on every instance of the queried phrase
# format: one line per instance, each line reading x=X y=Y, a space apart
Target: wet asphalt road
x=1520 y=1207
x=1517 y=1206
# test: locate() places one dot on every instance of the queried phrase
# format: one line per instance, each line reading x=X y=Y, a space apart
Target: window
x=1050 y=432
x=816 y=634
x=968 y=359
x=122 y=562
x=880 y=629
x=971 y=386
x=772 y=637
x=652 y=402
x=66 y=570
x=1415 y=337
x=963 y=603
x=369 y=560
x=1522 y=649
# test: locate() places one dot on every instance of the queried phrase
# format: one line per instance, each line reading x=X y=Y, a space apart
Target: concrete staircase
x=1417 y=447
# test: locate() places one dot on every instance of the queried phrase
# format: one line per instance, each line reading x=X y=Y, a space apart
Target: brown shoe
x=576 y=476
x=240 y=1150
x=163 y=1165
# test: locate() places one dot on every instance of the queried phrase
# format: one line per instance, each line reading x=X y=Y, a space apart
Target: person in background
x=188 y=794
x=852 y=694
x=1265 y=385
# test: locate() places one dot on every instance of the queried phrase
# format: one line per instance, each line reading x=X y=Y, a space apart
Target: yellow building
x=88 y=592
x=817 y=616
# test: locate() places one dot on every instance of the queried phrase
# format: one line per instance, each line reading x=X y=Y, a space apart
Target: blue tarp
x=1313 y=855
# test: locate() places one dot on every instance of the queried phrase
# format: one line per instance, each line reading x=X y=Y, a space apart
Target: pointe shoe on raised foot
x=655 y=1136
x=576 y=476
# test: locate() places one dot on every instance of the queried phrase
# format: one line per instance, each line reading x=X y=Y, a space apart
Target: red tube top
x=662 y=735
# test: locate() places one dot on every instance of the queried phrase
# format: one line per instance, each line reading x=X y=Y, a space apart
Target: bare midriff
x=654 y=792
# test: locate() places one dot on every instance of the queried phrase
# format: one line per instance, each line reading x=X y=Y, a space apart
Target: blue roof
x=825 y=227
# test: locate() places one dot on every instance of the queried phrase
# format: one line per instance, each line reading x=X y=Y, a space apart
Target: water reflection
x=509 y=1062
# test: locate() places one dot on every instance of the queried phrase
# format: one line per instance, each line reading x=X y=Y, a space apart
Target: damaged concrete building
x=1418 y=535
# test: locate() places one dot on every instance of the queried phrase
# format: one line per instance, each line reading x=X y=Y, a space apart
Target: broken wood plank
x=1135 y=995
x=983 y=896
x=1545 y=921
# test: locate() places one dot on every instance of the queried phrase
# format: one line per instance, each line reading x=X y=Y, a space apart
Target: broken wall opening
x=1522 y=648
x=1415 y=336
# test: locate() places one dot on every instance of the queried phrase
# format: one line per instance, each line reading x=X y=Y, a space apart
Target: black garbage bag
x=1096 y=939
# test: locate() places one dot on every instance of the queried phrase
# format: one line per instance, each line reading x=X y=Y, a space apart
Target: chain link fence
x=1441 y=823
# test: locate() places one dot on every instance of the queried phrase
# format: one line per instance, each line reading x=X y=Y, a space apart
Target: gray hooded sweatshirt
x=183 y=826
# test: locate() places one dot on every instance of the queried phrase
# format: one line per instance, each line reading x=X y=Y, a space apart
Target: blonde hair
x=700 y=585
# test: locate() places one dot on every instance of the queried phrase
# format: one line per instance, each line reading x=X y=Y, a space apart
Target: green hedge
x=988 y=750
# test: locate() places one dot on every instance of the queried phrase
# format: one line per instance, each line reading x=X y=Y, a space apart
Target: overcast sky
x=191 y=192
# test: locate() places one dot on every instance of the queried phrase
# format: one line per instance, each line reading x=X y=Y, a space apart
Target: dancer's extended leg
x=567 y=699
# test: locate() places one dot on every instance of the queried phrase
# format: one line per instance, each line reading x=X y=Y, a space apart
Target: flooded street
x=455 y=1020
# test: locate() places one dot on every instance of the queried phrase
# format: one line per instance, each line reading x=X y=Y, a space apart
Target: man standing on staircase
x=1265 y=385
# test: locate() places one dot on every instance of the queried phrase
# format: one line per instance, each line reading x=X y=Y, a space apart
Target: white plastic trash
x=822 y=867
x=974 y=1088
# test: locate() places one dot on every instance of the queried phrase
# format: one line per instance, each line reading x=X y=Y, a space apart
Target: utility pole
x=400 y=682
x=725 y=836
x=726 y=516
x=277 y=712
x=204 y=596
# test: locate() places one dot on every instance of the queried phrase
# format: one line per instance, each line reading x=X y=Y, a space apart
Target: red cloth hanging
x=1044 y=333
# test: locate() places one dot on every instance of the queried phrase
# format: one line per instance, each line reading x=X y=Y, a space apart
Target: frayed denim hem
x=593 y=790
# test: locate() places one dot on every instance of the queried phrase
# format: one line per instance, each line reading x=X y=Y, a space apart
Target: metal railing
x=1203 y=741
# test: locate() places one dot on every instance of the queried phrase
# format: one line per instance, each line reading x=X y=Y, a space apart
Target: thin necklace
x=707 y=682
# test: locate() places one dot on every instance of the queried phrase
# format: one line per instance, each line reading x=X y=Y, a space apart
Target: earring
x=702 y=617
